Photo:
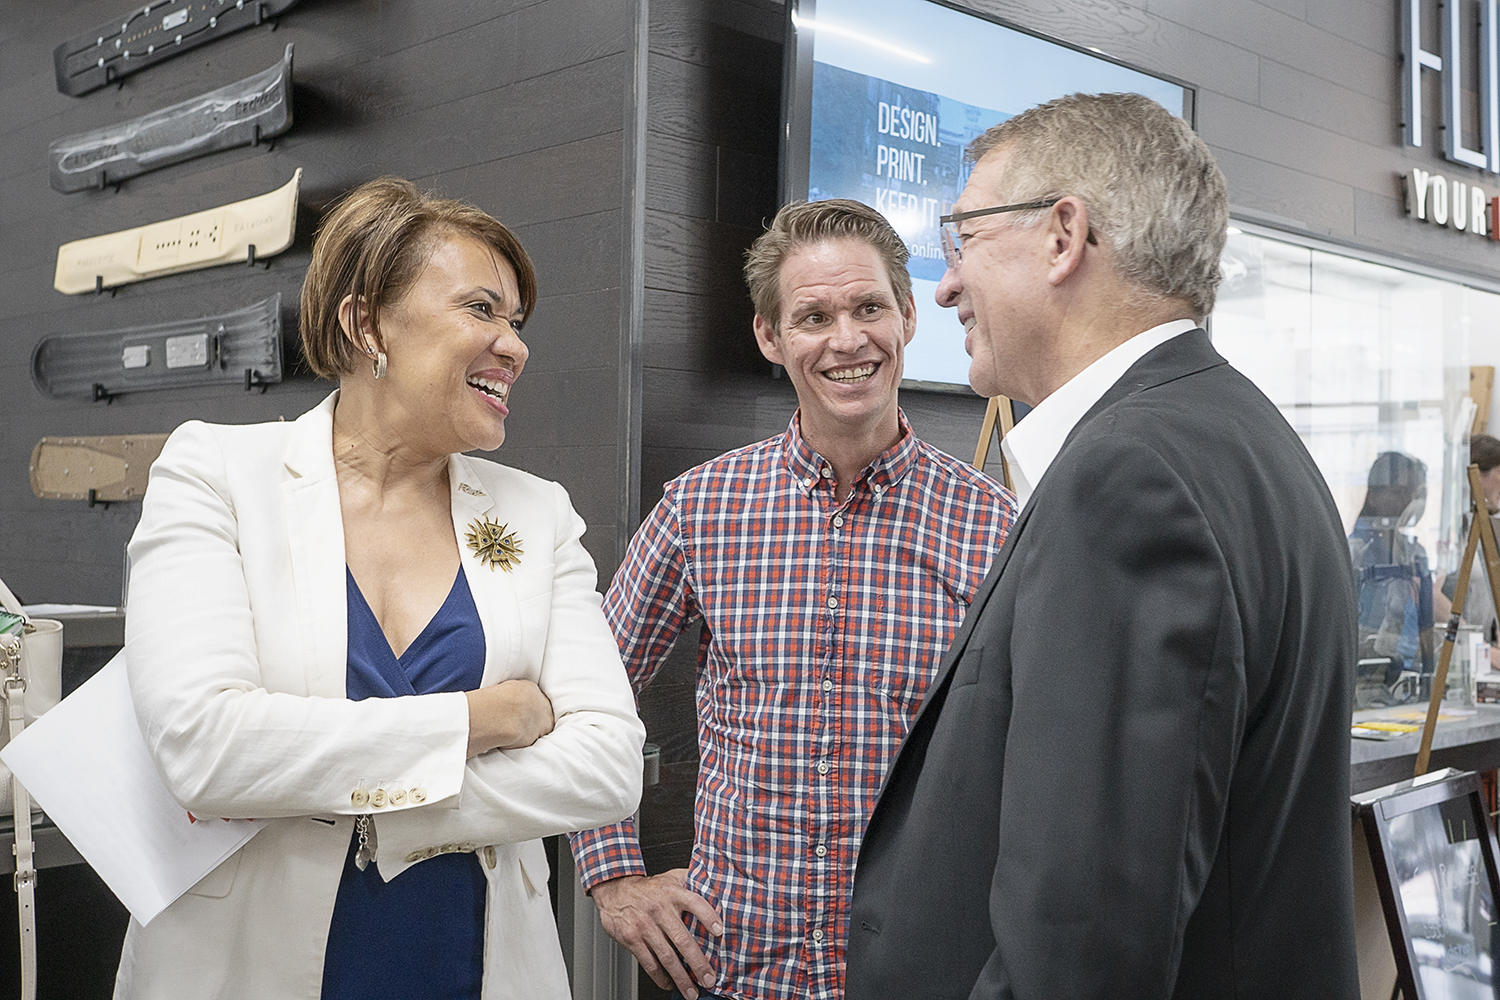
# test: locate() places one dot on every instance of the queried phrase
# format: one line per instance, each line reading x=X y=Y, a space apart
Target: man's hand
x=645 y=915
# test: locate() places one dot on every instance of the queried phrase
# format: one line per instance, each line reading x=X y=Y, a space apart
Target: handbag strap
x=14 y=688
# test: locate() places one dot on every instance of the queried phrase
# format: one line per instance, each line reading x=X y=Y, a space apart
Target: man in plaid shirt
x=831 y=566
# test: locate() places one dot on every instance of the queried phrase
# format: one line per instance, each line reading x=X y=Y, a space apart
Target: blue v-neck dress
x=421 y=935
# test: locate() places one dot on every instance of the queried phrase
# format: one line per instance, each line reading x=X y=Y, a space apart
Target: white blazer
x=236 y=644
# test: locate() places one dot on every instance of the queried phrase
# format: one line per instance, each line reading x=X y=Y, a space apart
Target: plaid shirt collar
x=812 y=471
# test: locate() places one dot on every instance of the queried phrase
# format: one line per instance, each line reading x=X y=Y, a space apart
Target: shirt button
x=828 y=472
x=818 y=935
x=418 y=795
x=838 y=521
x=822 y=767
x=360 y=798
x=833 y=602
x=827 y=684
x=398 y=796
x=820 y=850
x=378 y=798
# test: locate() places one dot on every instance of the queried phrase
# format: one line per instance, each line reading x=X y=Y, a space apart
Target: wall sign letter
x=1453 y=117
x=1416 y=194
x=1414 y=60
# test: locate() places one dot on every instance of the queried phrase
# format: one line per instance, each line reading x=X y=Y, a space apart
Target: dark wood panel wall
x=517 y=105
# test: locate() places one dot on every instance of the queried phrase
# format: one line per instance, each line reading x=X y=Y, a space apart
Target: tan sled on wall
x=101 y=469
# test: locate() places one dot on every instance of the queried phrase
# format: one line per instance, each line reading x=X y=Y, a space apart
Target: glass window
x=1370 y=365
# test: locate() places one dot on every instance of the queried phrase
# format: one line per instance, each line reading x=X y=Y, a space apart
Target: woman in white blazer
x=285 y=575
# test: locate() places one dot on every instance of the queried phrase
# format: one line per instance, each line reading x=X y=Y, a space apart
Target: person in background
x=1395 y=582
x=1479 y=605
x=390 y=653
x=1131 y=775
x=830 y=566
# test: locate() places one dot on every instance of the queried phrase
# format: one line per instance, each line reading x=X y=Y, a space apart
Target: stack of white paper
x=86 y=764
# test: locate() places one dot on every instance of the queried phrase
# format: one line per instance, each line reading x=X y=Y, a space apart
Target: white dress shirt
x=1033 y=443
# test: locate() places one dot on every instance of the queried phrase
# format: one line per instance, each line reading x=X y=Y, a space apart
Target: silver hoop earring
x=380 y=365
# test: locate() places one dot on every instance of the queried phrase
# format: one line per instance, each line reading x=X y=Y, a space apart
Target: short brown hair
x=802 y=224
x=373 y=246
x=1153 y=191
x=1484 y=451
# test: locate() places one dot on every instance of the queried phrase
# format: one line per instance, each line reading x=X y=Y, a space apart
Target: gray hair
x=1151 y=187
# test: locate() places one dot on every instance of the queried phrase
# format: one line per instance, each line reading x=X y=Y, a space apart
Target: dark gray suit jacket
x=1131 y=776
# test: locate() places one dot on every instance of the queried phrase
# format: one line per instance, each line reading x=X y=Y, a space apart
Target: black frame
x=1376 y=809
x=795 y=149
x=796 y=89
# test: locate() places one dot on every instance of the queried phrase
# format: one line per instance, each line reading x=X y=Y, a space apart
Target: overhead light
x=835 y=29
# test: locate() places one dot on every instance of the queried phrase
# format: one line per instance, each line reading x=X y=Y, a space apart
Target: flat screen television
x=882 y=96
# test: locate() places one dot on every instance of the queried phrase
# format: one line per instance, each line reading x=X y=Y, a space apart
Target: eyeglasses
x=953 y=240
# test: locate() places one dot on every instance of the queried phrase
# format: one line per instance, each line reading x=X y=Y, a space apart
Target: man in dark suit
x=1130 y=778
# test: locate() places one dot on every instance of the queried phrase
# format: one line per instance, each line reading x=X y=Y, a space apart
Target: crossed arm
x=228 y=744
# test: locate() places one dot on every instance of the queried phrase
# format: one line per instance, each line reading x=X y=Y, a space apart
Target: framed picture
x=1434 y=854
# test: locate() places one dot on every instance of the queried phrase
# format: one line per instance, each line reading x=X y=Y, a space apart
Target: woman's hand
x=507 y=715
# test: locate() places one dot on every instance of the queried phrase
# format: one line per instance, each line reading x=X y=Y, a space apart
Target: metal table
x=1471 y=743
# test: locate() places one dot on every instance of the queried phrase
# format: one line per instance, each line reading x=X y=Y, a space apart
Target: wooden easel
x=1481 y=382
x=999 y=407
x=1481 y=532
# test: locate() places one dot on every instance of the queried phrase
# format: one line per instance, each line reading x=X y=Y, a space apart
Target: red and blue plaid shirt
x=823 y=625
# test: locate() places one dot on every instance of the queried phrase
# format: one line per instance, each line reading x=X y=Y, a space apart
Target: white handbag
x=30 y=683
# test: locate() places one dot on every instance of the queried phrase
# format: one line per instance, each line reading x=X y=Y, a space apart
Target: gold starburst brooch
x=493 y=545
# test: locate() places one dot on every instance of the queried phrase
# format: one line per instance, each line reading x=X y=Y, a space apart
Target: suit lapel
x=976 y=607
x=315 y=534
x=1183 y=355
x=493 y=590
